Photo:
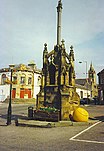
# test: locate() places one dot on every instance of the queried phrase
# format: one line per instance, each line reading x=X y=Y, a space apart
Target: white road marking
x=88 y=141
x=85 y=130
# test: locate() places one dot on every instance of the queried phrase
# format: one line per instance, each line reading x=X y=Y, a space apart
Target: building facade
x=25 y=82
x=92 y=82
x=82 y=91
x=101 y=86
x=87 y=88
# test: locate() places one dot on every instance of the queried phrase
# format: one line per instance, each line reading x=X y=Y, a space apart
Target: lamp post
x=86 y=74
x=9 y=106
x=86 y=67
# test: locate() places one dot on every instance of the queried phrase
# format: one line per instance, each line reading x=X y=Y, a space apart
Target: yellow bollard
x=80 y=115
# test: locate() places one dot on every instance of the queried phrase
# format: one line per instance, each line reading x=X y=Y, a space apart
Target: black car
x=84 y=101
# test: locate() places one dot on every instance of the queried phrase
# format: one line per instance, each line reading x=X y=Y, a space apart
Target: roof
x=21 y=67
x=83 y=83
x=81 y=87
x=4 y=70
x=80 y=81
x=102 y=71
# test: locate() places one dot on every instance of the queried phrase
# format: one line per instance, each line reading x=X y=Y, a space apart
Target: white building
x=25 y=82
x=82 y=91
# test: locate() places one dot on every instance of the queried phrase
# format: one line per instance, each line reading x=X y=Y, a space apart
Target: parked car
x=84 y=101
x=95 y=100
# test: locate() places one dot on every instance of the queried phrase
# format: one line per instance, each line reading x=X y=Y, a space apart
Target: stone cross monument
x=58 y=76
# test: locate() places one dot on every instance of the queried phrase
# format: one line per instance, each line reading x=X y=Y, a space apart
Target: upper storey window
x=39 y=81
x=14 y=79
x=3 y=79
x=30 y=80
x=22 y=80
x=102 y=79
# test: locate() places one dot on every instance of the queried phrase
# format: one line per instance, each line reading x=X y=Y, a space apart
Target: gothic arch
x=52 y=73
x=71 y=70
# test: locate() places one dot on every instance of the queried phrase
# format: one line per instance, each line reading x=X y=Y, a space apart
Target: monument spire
x=59 y=11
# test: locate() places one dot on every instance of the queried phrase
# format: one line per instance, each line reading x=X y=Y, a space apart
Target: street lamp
x=86 y=67
x=86 y=74
x=10 y=107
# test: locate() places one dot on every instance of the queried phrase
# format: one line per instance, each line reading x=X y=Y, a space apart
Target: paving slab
x=46 y=124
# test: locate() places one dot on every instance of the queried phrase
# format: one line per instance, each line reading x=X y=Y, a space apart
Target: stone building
x=81 y=88
x=58 y=76
x=88 y=87
x=101 y=86
x=92 y=81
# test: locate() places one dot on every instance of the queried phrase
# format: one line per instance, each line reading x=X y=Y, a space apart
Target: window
x=14 y=80
x=3 y=79
x=39 y=80
x=102 y=79
x=81 y=94
x=29 y=80
x=22 y=80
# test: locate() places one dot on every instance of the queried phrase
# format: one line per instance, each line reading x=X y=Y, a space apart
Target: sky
x=25 y=25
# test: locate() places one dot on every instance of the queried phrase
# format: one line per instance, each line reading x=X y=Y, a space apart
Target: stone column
x=59 y=11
